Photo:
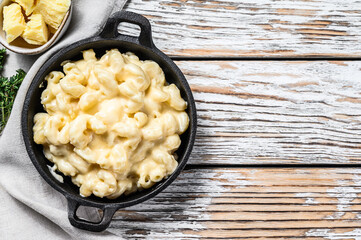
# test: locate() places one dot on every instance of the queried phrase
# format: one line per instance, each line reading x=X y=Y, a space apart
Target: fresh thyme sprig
x=2 y=58
x=8 y=89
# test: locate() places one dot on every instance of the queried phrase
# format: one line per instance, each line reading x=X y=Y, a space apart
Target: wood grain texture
x=250 y=204
x=267 y=112
x=253 y=27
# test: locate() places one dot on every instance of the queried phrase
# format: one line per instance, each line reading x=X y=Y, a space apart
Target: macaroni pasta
x=112 y=124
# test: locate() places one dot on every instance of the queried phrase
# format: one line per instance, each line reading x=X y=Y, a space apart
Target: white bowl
x=20 y=46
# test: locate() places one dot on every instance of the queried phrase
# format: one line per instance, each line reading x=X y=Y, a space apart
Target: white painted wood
x=267 y=112
x=254 y=27
x=250 y=203
x=261 y=112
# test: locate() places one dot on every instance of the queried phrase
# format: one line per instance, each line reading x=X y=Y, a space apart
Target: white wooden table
x=278 y=90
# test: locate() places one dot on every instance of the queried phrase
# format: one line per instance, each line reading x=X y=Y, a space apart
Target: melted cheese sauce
x=112 y=124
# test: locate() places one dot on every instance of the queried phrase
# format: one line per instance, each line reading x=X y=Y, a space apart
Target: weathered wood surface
x=261 y=112
x=254 y=28
x=250 y=203
x=276 y=112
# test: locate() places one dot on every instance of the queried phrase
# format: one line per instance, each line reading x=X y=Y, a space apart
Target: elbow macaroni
x=111 y=124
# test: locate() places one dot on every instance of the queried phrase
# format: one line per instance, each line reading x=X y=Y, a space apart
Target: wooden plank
x=250 y=204
x=253 y=28
x=285 y=112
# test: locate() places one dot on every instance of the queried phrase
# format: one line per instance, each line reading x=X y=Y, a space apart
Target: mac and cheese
x=112 y=124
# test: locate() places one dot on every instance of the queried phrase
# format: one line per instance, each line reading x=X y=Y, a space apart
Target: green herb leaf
x=8 y=89
x=2 y=58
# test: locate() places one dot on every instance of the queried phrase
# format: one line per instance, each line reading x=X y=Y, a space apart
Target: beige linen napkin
x=29 y=207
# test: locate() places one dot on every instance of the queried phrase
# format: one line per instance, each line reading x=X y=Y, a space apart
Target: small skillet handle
x=111 y=27
x=108 y=213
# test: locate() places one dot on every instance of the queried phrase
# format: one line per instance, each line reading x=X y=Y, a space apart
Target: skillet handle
x=108 y=213
x=111 y=27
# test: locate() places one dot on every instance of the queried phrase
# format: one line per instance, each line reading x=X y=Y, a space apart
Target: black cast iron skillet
x=144 y=48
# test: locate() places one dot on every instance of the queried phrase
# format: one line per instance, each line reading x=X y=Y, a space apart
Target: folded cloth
x=29 y=207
